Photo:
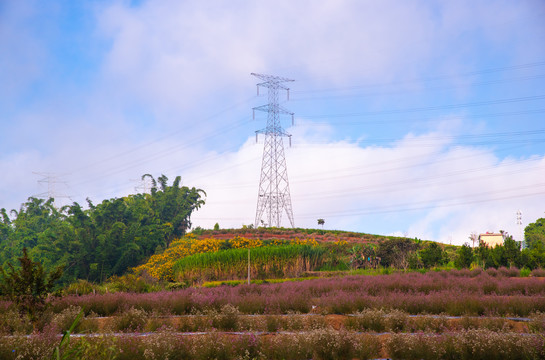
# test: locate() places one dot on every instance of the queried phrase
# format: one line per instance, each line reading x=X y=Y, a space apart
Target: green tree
x=396 y=252
x=512 y=252
x=464 y=257
x=534 y=234
x=321 y=222
x=483 y=255
x=5 y=226
x=498 y=256
x=103 y=240
x=173 y=205
x=28 y=286
x=431 y=255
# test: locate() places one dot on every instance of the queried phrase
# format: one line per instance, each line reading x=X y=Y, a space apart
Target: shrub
x=328 y=344
x=131 y=320
x=80 y=287
x=212 y=347
x=496 y=324
x=29 y=286
x=469 y=344
x=412 y=347
x=165 y=345
x=226 y=319
x=12 y=322
x=525 y=272
x=65 y=318
x=469 y=322
x=396 y=320
x=537 y=323
x=509 y=272
x=538 y=273
x=368 y=319
x=433 y=324
x=89 y=324
x=273 y=323
x=366 y=346
x=294 y=321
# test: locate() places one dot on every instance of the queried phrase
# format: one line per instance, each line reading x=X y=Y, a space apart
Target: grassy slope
x=287 y=233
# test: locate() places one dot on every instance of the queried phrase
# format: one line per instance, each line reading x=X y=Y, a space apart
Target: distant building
x=491 y=239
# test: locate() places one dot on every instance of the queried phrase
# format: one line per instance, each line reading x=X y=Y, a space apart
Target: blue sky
x=416 y=118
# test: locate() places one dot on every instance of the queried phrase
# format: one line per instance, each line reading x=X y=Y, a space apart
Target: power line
x=430 y=108
x=396 y=209
x=374 y=165
x=161 y=154
x=415 y=183
x=414 y=120
x=405 y=91
x=161 y=138
x=428 y=204
x=435 y=78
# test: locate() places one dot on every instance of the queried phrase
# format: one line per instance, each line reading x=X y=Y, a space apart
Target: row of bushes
x=229 y=318
x=147 y=284
x=317 y=344
x=415 y=293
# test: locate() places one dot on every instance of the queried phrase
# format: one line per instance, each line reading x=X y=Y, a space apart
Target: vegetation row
x=316 y=344
x=229 y=318
x=455 y=293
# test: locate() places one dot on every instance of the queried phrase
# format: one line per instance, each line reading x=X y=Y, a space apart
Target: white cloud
x=168 y=62
x=457 y=189
x=23 y=56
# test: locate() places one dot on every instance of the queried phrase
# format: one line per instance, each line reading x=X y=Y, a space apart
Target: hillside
x=319 y=235
x=276 y=253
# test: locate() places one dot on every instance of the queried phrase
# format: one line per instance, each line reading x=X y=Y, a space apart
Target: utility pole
x=519 y=224
x=248 y=266
x=274 y=191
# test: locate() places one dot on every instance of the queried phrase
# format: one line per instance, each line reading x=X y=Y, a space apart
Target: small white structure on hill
x=491 y=239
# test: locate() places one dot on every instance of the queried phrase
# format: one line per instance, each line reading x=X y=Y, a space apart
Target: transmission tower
x=519 y=225
x=274 y=191
x=52 y=180
x=144 y=186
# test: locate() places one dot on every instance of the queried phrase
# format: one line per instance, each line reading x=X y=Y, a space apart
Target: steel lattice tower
x=274 y=190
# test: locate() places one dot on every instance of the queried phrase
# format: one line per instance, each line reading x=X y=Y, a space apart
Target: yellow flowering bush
x=239 y=242
x=308 y=241
x=160 y=266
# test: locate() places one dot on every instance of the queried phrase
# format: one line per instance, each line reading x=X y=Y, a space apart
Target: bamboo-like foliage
x=265 y=262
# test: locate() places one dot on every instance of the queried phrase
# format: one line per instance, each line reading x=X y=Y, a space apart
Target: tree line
x=103 y=239
x=404 y=253
x=511 y=253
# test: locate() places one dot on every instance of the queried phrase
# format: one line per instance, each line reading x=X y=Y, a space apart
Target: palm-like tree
x=321 y=222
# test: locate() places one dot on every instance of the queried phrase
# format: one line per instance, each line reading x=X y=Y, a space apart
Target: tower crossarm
x=279 y=132
x=271 y=78
x=268 y=108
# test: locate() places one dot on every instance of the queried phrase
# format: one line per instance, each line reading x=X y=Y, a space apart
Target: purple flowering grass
x=453 y=293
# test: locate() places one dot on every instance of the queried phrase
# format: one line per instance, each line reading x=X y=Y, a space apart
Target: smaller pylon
x=519 y=225
x=52 y=180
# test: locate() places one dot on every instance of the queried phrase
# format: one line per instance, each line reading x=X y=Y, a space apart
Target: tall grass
x=265 y=262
